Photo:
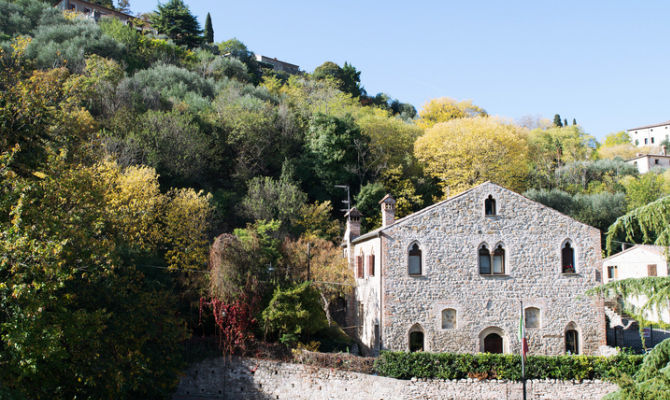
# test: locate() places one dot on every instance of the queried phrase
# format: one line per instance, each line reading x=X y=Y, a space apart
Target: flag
x=522 y=336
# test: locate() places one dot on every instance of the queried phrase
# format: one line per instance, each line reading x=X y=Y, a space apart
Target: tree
x=615 y=138
x=82 y=314
x=294 y=313
x=445 y=109
x=346 y=78
x=643 y=190
x=574 y=121
x=565 y=122
x=468 y=151
x=320 y=261
x=209 y=31
x=651 y=381
x=269 y=199
x=175 y=20
x=123 y=6
x=336 y=152
x=557 y=121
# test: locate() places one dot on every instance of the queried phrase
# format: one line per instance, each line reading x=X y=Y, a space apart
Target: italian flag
x=522 y=336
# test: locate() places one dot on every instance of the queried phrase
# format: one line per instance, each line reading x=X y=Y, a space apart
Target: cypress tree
x=574 y=121
x=176 y=21
x=209 y=31
x=557 y=121
x=565 y=122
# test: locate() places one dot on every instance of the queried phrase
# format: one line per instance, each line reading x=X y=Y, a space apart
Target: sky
x=604 y=63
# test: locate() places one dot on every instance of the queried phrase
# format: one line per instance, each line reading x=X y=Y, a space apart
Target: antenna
x=348 y=200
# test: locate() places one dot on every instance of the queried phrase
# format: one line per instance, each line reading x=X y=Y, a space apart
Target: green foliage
x=599 y=210
x=22 y=16
x=557 y=121
x=652 y=380
x=175 y=20
x=336 y=150
x=615 y=138
x=646 y=224
x=67 y=42
x=403 y=365
x=209 y=31
x=644 y=190
x=367 y=202
x=164 y=86
x=80 y=316
x=295 y=312
x=270 y=199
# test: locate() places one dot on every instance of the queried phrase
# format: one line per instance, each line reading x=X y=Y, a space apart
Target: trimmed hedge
x=402 y=365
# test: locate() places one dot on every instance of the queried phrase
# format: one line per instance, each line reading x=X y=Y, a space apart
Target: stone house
x=645 y=162
x=452 y=277
x=639 y=261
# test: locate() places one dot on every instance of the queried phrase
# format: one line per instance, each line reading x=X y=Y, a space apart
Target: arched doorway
x=415 y=341
x=493 y=343
x=571 y=339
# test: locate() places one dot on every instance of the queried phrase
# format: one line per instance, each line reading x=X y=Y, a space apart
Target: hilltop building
x=452 y=276
x=645 y=162
x=278 y=65
x=92 y=10
x=650 y=135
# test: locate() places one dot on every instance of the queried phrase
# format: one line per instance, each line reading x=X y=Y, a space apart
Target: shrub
x=295 y=312
x=402 y=365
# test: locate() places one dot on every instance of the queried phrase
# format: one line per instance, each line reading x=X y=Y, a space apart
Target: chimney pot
x=388 y=210
x=354 y=222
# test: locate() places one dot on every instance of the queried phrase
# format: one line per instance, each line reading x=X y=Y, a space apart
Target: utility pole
x=309 y=274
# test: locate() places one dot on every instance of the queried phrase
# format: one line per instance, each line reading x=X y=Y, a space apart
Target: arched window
x=571 y=339
x=532 y=318
x=484 y=260
x=499 y=260
x=491 y=264
x=490 y=206
x=448 y=318
x=416 y=338
x=567 y=258
x=414 y=261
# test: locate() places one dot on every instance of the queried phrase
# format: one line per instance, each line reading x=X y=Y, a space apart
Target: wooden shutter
x=616 y=272
x=651 y=270
x=371 y=265
x=359 y=266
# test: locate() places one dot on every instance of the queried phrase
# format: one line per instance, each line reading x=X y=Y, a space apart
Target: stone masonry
x=251 y=379
x=449 y=234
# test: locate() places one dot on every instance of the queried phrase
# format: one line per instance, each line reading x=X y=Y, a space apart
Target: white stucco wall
x=658 y=133
x=649 y=161
x=632 y=263
x=368 y=292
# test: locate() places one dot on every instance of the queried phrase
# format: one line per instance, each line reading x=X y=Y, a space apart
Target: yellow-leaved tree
x=444 y=109
x=465 y=152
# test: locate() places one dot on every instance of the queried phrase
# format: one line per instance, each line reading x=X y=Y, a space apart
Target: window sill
x=494 y=275
x=570 y=274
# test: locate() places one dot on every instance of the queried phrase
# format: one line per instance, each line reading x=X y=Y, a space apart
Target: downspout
x=381 y=288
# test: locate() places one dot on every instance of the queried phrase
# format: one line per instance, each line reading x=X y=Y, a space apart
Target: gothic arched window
x=567 y=258
x=490 y=206
x=414 y=260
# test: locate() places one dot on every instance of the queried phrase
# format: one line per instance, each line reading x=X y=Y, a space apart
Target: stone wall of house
x=251 y=379
x=450 y=234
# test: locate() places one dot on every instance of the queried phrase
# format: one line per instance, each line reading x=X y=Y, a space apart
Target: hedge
x=402 y=365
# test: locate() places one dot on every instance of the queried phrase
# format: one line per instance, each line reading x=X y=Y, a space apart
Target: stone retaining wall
x=260 y=379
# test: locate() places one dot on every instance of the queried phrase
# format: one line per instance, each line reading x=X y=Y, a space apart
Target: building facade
x=650 y=135
x=92 y=10
x=645 y=162
x=452 y=277
x=278 y=65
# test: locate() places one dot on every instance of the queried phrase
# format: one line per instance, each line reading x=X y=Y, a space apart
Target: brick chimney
x=388 y=210
x=664 y=150
x=353 y=223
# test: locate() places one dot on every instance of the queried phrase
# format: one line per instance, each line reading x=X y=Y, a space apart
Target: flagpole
x=522 y=328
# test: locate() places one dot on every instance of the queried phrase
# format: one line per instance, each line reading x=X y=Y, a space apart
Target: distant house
x=278 y=65
x=639 y=261
x=650 y=135
x=92 y=10
x=645 y=162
